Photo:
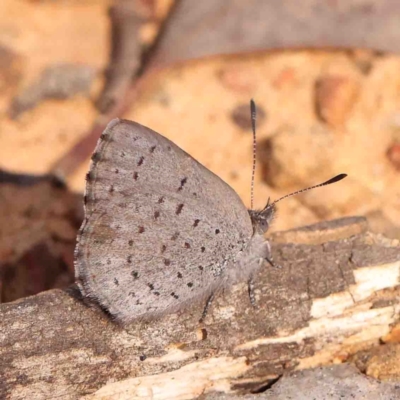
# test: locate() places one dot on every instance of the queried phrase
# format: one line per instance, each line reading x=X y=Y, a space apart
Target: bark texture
x=337 y=293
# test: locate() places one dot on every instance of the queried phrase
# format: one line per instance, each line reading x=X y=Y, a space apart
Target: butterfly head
x=262 y=219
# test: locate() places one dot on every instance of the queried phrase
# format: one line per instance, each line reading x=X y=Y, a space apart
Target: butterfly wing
x=159 y=227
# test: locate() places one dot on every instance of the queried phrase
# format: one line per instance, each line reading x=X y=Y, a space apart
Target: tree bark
x=336 y=293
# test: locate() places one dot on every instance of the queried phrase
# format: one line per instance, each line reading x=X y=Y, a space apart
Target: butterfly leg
x=268 y=256
x=271 y=262
x=206 y=307
x=251 y=285
x=252 y=295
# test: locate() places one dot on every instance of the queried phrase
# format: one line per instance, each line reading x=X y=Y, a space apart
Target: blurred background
x=324 y=74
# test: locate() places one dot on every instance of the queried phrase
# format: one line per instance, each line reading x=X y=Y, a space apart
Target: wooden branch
x=337 y=292
x=125 y=59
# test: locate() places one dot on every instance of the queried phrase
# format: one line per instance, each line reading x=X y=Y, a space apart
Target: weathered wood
x=337 y=292
x=333 y=382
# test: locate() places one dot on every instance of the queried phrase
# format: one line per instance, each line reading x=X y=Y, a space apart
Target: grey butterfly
x=161 y=231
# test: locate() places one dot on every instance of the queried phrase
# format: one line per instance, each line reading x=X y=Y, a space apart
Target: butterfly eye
x=264 y=225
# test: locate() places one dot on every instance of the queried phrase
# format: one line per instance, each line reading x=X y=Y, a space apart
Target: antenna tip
x=252 y=105
x=336 y=178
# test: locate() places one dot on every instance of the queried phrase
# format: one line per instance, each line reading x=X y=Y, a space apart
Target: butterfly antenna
x=253 y=172
x=335 y=179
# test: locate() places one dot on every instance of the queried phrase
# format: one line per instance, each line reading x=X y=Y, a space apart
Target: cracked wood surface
x=338 y=292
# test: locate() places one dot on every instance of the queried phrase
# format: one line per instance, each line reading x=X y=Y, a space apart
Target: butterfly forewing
x=159 y=227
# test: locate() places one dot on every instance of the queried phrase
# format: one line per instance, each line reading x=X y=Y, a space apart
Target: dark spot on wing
x=89 y=176
x=179 y=275
x=190 y=284
x=130 y=243
x=132 y=294
x=156 y=214
x=200 y=267
x=163 y=248
x=129 y=259
x=140 y=162
x=203 y=249
x=174 y=295
x=161 y=200
x=179 y=209
x=141 y=229
x=122 y=154
x=167 y=262
x=196 y=222
x=151 y=286
x=156 y=293
x=111 y=189
x=187 y=245
x=116 y=281
x=116 y=170
x=183 y=181
x=152 y=148
x=135 y=176
x=217 y=231
x=135 y=274
x=95 y=157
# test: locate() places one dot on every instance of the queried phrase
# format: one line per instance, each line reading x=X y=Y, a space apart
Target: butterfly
x=161 y=231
